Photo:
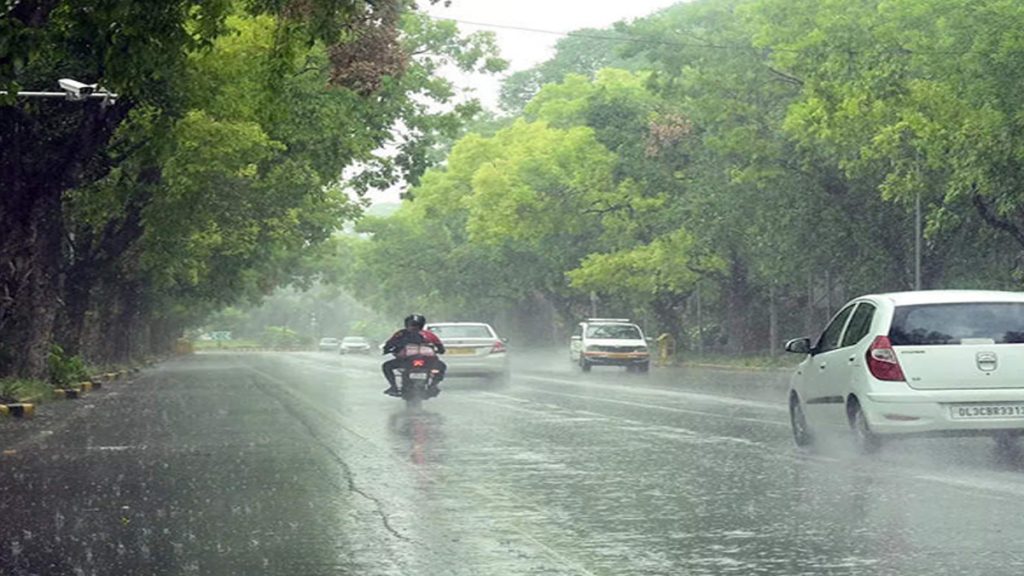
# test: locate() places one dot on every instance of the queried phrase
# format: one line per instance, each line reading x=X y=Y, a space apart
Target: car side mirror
x=799 y=346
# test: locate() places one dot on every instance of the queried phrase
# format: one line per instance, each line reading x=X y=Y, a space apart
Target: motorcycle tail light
x=419 y=363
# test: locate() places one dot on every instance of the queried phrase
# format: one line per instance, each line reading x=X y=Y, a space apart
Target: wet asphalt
x=295 y=464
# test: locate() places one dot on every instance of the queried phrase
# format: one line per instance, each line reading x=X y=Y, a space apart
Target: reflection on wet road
x=297 y=464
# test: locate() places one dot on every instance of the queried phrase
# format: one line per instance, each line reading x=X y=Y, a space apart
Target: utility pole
x=593 y=304
x=917 y=241
x=773 y=322
x=700 y=324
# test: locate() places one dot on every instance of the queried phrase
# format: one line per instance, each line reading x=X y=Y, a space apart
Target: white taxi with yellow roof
x=609 y=342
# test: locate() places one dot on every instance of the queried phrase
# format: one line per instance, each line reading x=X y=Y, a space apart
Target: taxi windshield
x=613 y=332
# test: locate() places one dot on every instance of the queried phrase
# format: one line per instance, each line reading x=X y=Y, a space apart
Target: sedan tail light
x=498 y=347
x=882 y=361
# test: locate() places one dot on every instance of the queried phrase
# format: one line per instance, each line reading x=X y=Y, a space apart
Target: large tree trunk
x=30 y=262
x=42 y=154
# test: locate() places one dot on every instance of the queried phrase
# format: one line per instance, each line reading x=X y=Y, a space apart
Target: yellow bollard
x=666 y=348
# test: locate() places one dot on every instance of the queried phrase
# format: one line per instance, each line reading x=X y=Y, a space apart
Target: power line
x=616 y=39
x=654 y=42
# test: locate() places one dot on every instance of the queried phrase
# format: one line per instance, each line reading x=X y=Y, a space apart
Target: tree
x=219 y=169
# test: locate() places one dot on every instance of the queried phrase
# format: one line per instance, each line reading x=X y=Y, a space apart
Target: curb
x=18 y=410
x=65 y=393
x=733 y=368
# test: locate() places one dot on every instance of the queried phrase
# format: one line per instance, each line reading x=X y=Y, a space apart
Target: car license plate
x=460 y=351
x=984 y=411
x=418 y=376
x=618 y=355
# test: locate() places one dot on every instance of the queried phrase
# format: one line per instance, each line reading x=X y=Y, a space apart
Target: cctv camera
x=76 y=90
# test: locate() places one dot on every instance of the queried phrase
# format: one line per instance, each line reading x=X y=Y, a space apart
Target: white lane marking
x=772 y=406
x=662 y=408
x=655 y=429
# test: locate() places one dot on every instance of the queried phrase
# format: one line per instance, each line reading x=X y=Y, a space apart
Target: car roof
x=622 y=322
x=354 y=338
x=947 y=297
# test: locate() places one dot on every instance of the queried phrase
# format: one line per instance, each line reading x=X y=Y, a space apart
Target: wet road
x=297 y=464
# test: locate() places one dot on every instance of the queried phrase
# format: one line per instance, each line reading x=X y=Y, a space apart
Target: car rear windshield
x=462 y=331
x=961 y=323
x=354 y=340
x=613 y=332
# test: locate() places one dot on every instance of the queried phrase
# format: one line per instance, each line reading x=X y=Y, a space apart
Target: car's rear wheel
x=798 y=422
x=644 y=368
x=584 y=365
x=867 y=441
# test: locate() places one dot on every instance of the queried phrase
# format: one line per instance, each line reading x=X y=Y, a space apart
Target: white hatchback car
x=472 y=349
x=947 y=362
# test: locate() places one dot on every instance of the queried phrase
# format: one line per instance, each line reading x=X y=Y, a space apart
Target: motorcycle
x=417 y=374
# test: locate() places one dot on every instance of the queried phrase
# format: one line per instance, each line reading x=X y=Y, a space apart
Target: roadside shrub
x=18 y=390
x=65 y=370
x=280 y=337
x=11 y=390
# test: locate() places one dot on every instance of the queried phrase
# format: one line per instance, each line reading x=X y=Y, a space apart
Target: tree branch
x=992 y=219
x=787 y=78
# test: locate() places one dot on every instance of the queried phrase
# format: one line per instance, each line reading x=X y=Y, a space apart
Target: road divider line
x=664 y=408
x=690 y=433
x=775 y=407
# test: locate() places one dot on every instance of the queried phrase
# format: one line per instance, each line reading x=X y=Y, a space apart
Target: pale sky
x=525 y=49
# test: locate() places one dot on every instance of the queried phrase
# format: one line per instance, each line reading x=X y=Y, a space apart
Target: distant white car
x=328 y=344
x=934 y=362
x=472 y=349
x=354 y=345
x=609 y=342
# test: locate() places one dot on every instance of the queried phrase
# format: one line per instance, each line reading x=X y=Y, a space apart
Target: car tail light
x=498 y=347
x=882 y=361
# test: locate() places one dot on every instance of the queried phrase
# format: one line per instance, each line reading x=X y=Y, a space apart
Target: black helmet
x=416 y=320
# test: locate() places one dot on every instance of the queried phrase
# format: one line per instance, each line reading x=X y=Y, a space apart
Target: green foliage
x=282 y=338
x=65 y=371
x=767 y=152
x=243 y=138
x=24 y=390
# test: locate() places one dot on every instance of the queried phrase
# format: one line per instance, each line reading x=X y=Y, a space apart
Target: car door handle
x=852 y=359
x=822 y=366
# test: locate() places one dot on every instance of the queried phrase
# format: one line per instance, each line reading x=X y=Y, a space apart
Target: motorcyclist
x=414 y=333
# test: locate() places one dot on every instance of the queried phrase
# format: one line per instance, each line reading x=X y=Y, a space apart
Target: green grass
x=23 y=390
